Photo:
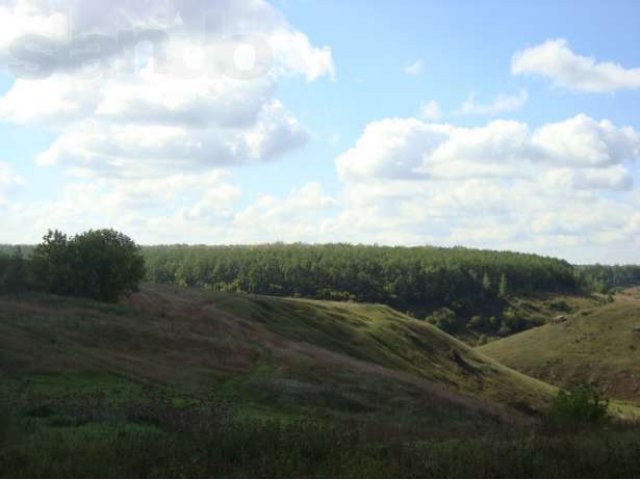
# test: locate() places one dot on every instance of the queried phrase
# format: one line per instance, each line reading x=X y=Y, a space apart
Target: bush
x=580 y=405
x=504 y=330
x=477 y=322
x=560 y=306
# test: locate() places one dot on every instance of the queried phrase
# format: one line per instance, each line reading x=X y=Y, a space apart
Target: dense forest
x=419 y=279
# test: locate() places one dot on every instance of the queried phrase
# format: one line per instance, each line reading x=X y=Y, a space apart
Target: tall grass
x=69 y=438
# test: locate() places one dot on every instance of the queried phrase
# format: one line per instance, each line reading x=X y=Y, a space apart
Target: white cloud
x=131 y=205
x=179 y=208
x=555 y=60
x=74 y=34
x=500 y=104
x=614 y=178
x=414 y=68
x=430 y=110
x=145 y=126
x=412 y=149
x=582 y=141
x=187 y=103
x=301 y=215
x=155 y=150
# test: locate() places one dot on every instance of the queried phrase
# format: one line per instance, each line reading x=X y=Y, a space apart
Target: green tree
x=50 y=264
x=504 y=286
x=486 y=282
x=99 y=264
x=105 y=265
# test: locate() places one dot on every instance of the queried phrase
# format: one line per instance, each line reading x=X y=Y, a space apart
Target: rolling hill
x=263 y=352
x=598 y=345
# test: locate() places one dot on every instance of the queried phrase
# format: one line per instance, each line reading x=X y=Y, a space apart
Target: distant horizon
x=492 y=125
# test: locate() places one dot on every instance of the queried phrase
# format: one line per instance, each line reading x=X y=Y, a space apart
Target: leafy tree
x=105 y=265
x=99 y=264
x=503 y=289
x=50 y=264
x=486 y=282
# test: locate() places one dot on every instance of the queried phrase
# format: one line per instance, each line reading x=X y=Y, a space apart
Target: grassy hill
x=275 y=352
x=594 y=345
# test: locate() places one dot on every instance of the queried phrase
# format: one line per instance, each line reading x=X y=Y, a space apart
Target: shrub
x=560 y=306
x=504 y=330
x=581 y=405
x=477 y=322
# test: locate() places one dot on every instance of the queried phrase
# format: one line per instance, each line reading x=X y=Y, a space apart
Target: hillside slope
x=285 y=353
x=600 y=346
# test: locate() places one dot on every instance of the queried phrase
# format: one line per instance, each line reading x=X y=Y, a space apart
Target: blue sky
x=506 y=125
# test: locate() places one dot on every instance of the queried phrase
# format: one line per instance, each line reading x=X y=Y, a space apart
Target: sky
x=490 y=124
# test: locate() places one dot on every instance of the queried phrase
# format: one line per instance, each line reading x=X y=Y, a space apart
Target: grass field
x=598 y=345
x=185 y=382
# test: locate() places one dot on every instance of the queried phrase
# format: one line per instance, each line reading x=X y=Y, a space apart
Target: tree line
x=456 y=288
x=358 y=272
x=420 y=279
x=605 y=278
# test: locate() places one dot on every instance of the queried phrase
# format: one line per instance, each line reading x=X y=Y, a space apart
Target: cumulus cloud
x=614 y=178
x=152 y=150
x=70 y=35
x=500 y=104
x=412 y=149
x=583 y=141
x=149 y=87
x=148 y=102
x=180 y=208
x=555 y=60
x=133 y=205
